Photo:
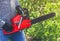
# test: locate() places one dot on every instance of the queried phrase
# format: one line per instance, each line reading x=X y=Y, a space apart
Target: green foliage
x=48 y=30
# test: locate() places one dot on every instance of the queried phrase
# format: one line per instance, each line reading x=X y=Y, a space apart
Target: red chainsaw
x=21 y=20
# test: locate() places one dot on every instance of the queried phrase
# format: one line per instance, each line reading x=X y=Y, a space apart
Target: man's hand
x=7 y=27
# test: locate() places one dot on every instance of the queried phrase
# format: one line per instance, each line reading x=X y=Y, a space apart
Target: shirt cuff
x=1 y=23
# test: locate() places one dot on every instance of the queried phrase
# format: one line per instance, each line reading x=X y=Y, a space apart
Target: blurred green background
x=48 y=30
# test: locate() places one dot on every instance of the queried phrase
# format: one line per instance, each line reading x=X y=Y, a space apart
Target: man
x=7 y=11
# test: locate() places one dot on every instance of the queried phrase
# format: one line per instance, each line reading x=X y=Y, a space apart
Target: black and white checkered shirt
x=7 y=10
